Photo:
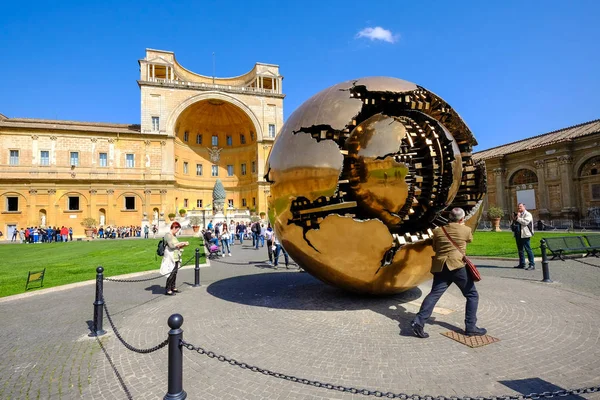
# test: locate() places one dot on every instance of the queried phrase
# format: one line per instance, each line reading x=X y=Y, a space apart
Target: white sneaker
x=222 y=255
x=229 y=254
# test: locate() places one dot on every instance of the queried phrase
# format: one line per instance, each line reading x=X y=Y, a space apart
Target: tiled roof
x=69 y=125
x=546 y=139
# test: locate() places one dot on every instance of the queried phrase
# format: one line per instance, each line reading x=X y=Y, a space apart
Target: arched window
x=523 y=176
x=591 y=167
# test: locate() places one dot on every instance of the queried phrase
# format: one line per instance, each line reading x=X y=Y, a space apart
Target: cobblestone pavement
x=291 y=323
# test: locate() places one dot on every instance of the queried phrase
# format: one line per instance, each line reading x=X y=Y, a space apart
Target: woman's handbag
x=475 y=275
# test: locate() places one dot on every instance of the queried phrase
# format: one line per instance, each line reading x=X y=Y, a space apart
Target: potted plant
x=494 y=214
x=89 y=224
x=182 y=212
x=171 y=216
x=195 y=222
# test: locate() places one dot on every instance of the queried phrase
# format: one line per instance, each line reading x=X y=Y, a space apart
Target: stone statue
x=360 y=175
x=102 y=220
x=155 y=217
x=43 y=220
x=218 y=197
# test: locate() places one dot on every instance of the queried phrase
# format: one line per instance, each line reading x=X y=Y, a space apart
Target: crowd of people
x=225 y=234
x=35 y=234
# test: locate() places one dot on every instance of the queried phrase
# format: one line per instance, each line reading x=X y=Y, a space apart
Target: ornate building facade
x=194 y=130
x=556 y=175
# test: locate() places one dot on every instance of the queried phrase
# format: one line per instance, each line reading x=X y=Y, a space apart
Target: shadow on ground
x=300 y=291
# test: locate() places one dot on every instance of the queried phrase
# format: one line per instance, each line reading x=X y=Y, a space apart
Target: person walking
x=523 y=231
x=171 y=261
x=225 y=237
x=278 y=249
x=231 y=233
x=448 y=267
x=269 y=238
x=14 y=235
x=146 y=231
x=70 y=234
x=22 y=236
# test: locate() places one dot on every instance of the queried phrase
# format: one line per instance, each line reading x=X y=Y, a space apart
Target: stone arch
x=580 y=164
x=514 y=171
x=74 y=192
x=136 y=194
x=12 y=193
x=172 y=119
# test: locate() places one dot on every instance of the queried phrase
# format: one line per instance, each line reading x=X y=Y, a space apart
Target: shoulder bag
x=475 y=275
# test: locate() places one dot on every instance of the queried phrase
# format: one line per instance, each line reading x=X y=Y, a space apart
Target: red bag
x=471 y=268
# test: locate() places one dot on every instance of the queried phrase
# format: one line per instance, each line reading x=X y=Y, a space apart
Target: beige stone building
x=556 y=175
x=194 y=130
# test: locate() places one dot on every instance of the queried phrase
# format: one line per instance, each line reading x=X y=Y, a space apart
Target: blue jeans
x=279 y=248
x=241 y=235
x=255 y=239
x=524 y=245
x=225 y=244
x=441 y=282
x=232 y=238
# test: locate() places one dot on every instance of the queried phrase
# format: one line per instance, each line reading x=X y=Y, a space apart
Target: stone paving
x=291 y=323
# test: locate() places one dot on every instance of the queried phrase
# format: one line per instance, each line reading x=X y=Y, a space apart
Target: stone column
x=147 y=207
x=110 y=208
x=543 y=211
x=92 y=204
x=565 y=165
x=52 y=208
x=163 y=202
x=32 y=213
x=500 y=174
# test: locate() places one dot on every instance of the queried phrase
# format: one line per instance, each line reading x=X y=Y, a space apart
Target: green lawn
x=77 y=261
x=502 y=244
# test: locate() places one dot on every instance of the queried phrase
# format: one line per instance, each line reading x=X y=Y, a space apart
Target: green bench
x=561 y=245
x=35 y=276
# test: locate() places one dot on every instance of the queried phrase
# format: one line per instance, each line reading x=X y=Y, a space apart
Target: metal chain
x=145 y=279
x=502 y=254
x=127 y=345
x=379 y=393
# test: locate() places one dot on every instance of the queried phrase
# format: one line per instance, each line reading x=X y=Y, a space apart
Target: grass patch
x=502 y=244
x=77 y=261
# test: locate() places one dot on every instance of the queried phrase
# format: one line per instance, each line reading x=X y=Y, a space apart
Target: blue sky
x=512 y=69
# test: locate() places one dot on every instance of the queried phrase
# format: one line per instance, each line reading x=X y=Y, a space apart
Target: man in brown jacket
x=448 y=267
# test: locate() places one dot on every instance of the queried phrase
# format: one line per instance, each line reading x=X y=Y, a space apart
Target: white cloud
x=378 y=33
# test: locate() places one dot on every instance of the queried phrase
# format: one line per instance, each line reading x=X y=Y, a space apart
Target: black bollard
x=545 y=270
x=99 y=304
x=175 y=391
x=197 y=269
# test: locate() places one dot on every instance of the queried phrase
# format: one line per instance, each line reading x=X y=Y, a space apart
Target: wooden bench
x=594 y=244
x=35 y=276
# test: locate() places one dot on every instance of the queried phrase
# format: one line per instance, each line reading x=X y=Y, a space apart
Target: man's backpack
x=160 y=250
x=255 y=228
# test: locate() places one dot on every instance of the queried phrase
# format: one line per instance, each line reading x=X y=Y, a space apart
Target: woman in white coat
x=171 y=261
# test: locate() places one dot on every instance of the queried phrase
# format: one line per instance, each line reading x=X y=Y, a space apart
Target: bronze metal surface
x=471 y=341
x=360 y=175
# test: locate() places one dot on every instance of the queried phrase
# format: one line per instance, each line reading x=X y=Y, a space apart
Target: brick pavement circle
x=289 y=322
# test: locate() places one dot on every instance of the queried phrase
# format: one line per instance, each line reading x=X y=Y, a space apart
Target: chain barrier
x=511 y=253
x=127 y=345
x=379 y=393
x=145 y=279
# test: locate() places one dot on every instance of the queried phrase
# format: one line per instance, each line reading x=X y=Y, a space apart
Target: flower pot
x=89 y=232
x=496 y=224
x=196 y=228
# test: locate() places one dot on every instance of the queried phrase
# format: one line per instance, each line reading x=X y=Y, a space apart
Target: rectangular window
x=199 y=203
x=186 y=136
x=73 y=203
x=253 y=167
x=155 y=124
x=130 y=202
x=251 y=135
x=185 y=203
x=199 y=169
x=230 y=170
x=254 y=201
x=185 y=167
x=215 y=140
x=103 y=159
x=44 y=158
x=243 y=202
x=230 y=203
x=215 y=170
x=129 y=161
x=14 y=157
x=242 y=138
x=229 y=140
x=198 y=139
x=75 y=158
x=272 y=130
x=12 y=203
x=243 y=169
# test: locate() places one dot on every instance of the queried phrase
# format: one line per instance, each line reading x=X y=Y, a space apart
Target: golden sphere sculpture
x=360 y=175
